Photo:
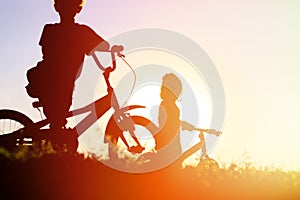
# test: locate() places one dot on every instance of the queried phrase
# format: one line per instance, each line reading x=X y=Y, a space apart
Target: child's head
x=68 y=6
x=171 y=87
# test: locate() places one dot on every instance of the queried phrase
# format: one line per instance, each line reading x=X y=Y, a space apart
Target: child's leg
x=56 y=106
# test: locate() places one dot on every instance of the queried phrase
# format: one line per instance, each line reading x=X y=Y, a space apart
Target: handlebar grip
x=214 y=132
x=117 y=48
x=114 y=49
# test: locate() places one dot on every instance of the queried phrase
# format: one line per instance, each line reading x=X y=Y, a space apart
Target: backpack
x=37 y=79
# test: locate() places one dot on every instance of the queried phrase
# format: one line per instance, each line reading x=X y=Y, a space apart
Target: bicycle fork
x=125 y=123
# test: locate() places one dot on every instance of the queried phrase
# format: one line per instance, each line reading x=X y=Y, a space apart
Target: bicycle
x=17 y=129
x=205 y=161
x=150 y=159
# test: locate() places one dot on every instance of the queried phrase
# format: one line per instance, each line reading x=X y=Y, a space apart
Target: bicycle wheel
x=208 y=166
x=14 y=128
x=144 y=130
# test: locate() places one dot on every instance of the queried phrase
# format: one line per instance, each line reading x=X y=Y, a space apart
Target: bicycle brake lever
x=120 y=55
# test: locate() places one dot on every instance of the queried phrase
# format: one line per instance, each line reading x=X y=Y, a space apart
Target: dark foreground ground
x=55 y=176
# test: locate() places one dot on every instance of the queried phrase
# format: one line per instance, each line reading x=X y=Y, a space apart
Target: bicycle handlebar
x=116 y=49
x=190 y=127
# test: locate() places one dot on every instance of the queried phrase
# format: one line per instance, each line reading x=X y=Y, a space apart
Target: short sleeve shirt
x=64 y=47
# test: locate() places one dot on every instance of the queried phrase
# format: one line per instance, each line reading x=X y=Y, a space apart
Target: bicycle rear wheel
x=15 y=129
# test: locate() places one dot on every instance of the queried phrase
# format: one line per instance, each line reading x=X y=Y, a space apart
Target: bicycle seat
x=37 y=104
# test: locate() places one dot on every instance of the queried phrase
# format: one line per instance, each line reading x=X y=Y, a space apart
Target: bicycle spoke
x=13 y=122
x=3 y=128
x=15 y=126
x=18 y=127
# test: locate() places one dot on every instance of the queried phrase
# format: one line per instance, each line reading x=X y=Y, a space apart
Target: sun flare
x=149 y=66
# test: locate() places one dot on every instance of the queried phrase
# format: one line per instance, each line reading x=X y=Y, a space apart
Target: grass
x=52 y=175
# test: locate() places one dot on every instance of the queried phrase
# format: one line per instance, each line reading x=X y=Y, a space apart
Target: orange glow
x=78 y=178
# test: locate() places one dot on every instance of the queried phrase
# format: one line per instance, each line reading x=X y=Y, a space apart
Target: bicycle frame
x=200 y=145
x=99 y=107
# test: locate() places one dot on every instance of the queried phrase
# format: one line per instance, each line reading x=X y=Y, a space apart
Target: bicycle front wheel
x=15 y=128
x=144 y=131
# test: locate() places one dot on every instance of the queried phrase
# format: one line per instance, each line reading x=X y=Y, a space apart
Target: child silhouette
x=64 y=46
x=167 y=139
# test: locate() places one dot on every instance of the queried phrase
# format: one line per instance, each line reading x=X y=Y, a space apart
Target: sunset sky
x=254 y=45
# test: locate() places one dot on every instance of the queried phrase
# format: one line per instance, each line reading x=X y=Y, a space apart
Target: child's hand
x=117 y=48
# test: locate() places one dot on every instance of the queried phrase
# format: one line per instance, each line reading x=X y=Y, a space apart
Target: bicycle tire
x=142 y=121
x=147 y=124
x=13 y=128
x=137 y=121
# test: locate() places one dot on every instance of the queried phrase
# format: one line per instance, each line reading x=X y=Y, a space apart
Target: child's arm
x=105 y=47
x=187 y=126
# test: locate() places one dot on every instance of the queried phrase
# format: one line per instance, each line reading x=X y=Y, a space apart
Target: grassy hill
x=63 y=176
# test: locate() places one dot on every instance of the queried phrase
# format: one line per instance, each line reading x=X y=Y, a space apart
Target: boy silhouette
x=64 y=46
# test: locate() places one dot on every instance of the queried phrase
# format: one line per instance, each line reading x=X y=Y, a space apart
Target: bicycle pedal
x=37 y=104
